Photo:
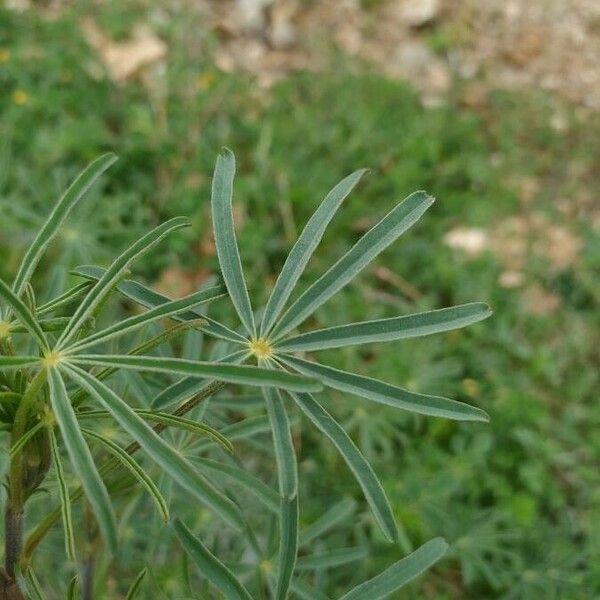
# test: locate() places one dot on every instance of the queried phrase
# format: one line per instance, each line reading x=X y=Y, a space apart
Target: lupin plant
x=55 y=384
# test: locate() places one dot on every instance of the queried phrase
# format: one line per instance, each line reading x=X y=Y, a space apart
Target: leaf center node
x=261 y=348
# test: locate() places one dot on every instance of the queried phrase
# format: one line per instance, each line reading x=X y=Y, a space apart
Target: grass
x=517 y=498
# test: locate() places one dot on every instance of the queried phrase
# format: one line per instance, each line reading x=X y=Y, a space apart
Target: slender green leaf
x=265 y=494
x=64 y=299
x=149 y=298
x=137 y=471
x=65 y=500
x=18 y=362
x=396 y=222
x=304 y=247
x=20 y=443
x=400 y=573
x=55 y=324
x=225 y=242
x=160 y=312
x=210 y=566
x=285 y=454
x=81 y=458
x=33 y=586
x=111 y=276
x=57 y=217
x=190 y=386
x=242 y=374
x=305 y=591
x=288 y=545
x=135 y=586
x=171 y=461
x=338 y=513
x=384 y=393
x=168 y=419
x=386 y=330
x=362 y=470
x=24 y=315
x=242 y=430
x=331 y=558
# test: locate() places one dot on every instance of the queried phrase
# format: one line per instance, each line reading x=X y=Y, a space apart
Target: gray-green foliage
x=51 y=383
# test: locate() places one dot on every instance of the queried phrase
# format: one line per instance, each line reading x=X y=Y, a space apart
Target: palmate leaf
x=396 y=222
x=57 y=217
x=65 y=501
x=24 y=315
x=400 y=573
x=162 y=311
x=137 y=471
x=288 y=545
x=112 y=275
x=81 y=458
x=242 y=374
x=171 y=461
x=210 y=566
x=225 y=242
x=149 y=298
x=384 y=393
x=359 y=466
x=303 y=249
x=386 y=330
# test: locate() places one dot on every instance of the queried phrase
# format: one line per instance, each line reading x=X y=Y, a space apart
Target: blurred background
x=493 y=107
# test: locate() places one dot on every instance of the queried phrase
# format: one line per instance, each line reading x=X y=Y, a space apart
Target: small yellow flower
x=4 y=55
x=20 y=97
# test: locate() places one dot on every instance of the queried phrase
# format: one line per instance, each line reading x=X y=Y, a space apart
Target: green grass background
x=519 y=498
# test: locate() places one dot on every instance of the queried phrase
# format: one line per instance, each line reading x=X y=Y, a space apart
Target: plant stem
x=16 y=493
x=38 y=534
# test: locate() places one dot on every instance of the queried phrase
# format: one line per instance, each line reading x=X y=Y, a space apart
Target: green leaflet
x=168 y=419
x=288 y=545
x=303 y=249
x=112 y=275
x=135 y=586
x=338 y=513
x=57 y=217
x=222 y=372
x=168 y=309
x=386 y=330
x=362 y=470
x=65 y=500
x=64 y=299
x=135 y=469
x=24 y=315
x=171 y=461
x=399 y=573
x=149 y=298
x=285 y=454
x=331 y=558
x=17 y=362
x=265 y=494
x=210 y=566
x=20 y=443
x=225 y=242
x=384 y=393
x=81 y=458
x=396 y=222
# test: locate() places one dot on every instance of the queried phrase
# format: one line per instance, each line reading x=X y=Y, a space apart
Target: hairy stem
x=16 y=481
